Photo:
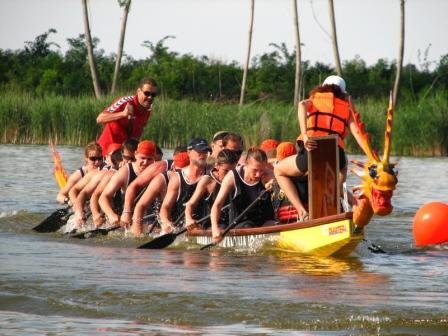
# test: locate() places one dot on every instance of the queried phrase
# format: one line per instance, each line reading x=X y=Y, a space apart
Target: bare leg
x=283 y=171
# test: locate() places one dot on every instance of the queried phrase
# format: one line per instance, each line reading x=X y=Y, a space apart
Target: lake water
x=51 y=285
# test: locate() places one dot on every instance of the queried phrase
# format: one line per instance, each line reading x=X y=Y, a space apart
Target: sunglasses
x=128 y=158
x=95 y=158
x=150 y=94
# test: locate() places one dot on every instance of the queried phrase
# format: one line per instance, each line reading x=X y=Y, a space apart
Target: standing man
x=127 y=116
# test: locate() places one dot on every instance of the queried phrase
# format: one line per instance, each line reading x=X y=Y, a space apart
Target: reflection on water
x=51 y=284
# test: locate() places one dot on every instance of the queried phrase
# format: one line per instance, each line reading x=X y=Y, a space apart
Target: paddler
x=325 y=112
x=244 y=184
x=93 y=160
x=208 y=188
x=82 y=190
x=216 y=146
x=183 y=183
x=144 y=156
x=155 y=192
x=128 y=155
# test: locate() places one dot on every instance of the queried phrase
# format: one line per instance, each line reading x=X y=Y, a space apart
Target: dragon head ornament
x=379 y=177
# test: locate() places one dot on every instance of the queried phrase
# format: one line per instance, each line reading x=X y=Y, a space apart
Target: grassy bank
x=420 y=126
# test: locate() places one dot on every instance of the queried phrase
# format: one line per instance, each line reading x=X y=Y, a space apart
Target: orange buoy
x=431 y=224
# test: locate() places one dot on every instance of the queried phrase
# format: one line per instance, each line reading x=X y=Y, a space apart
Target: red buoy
x=431 y=224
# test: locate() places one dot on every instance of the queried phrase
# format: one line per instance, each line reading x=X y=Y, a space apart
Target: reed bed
x=420 y=126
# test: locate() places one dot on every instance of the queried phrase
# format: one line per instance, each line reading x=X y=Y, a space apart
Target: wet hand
x=126 y=218
x=217 y=238
x=113 y=220
x=302 y=215
x=167 y=227
x=79 y=220
x=190 y=224
x=269 y=185
x=98 y=220
x=136 y=227
x=309 y=144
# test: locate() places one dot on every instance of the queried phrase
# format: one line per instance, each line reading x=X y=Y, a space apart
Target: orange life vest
x=327 y=115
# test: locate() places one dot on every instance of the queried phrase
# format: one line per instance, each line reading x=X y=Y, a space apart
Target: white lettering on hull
x=250 y=242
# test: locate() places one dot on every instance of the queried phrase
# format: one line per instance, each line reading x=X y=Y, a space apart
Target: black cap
x=199 y=144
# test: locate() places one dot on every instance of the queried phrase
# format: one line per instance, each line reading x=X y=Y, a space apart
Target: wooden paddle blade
x=159 y=242
x=94 y=233
x=53 y=222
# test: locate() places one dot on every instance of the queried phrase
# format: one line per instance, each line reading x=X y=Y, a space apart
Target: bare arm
x=80 y=185
x=356 y=134
x=268 y=177
x=72 y=180
x=141 y=181
x=199 y=193
x=97 y=217
x=114 y=185
x=157 y=187
x=105 y=116
x=170 y=198
x=301 y=115
x=227 y=185
x=86 y=192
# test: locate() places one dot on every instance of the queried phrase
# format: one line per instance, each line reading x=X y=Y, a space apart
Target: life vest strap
x=324 y=130
x=328 y=114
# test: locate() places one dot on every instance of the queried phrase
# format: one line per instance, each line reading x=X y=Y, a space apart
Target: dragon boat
x=331 y=230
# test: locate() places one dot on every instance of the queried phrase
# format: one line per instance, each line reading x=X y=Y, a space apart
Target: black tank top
x=244 y=195
x=186 y=190
x=132 y=174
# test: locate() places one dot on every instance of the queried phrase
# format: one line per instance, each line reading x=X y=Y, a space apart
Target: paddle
x=236 y=221
x=54 y=222
x=167 y=239
x=373 y=247
x=164 y=240
x=105 y=231
x=101 y=231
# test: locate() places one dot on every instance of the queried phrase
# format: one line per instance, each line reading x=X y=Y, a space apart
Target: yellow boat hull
x=329 y=236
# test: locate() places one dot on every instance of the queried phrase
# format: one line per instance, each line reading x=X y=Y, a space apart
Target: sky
x=219 y=28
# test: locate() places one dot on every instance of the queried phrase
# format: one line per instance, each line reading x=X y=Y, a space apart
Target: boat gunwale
x=276 y=228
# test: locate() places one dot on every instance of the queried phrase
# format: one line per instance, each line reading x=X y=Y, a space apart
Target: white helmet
x=336 y=80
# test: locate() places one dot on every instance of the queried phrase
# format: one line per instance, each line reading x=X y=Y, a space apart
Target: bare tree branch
x=249 y=46
x=400 y=54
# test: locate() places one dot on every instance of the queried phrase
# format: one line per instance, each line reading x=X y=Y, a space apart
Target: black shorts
x=302 y=159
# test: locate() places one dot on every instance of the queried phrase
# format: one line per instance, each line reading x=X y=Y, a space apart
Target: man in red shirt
x=127 y=116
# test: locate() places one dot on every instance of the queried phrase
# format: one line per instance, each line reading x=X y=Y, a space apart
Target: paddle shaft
x=105 y=231
x=199 y=221
x=235 y=222
x=167 y=239
x=373 y=248
x=88 y=234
